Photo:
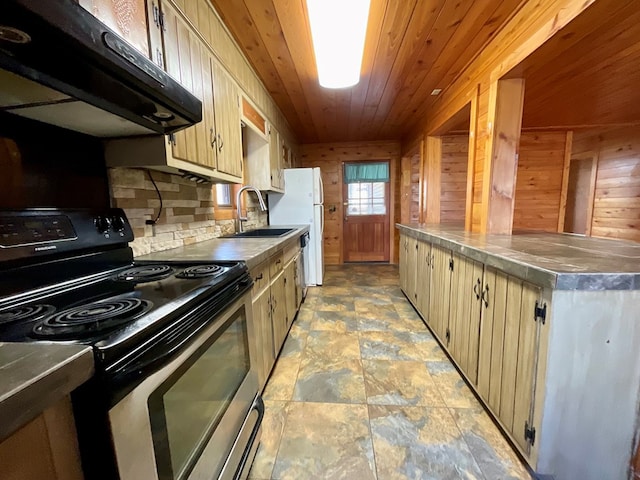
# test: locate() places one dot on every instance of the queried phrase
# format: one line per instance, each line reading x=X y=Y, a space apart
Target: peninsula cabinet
x=545 y=334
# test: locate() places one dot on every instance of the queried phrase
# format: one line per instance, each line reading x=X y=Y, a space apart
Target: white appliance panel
x=299 y=205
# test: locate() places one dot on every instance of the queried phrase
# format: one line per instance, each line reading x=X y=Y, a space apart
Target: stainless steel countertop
x=34 y=376
x=559 y=261
x=249 y=249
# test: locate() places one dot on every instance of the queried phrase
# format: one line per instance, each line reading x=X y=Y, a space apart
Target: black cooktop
x=114 y=306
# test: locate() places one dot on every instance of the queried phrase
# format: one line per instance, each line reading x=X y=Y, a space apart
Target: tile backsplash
x=187 y=209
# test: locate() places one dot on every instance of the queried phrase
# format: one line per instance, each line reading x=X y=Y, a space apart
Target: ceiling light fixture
x=338 y=29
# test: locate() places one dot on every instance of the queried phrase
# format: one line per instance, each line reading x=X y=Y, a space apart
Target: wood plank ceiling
x=588 y=74
x=412 y=47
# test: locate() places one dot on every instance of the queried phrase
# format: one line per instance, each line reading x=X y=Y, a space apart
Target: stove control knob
x=102 y=224
x=118 y=223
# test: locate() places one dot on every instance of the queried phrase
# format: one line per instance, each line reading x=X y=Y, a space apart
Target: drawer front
x=290 y=251
x=260 y=275
x=277 y=263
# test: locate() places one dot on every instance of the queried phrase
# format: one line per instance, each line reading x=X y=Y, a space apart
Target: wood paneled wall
x=329 y=157
x=539 y=182
x=616 y=210
x=453 y=190
x=532 y=25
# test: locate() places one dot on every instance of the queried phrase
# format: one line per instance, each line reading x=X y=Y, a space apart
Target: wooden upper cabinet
x=216 y=141
x=128 y=18
x=275 y=159
x=227 y=118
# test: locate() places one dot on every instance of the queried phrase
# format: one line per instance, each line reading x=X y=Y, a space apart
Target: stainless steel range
x=175 y=395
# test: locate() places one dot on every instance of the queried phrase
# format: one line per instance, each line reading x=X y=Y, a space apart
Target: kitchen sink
x=261 y=232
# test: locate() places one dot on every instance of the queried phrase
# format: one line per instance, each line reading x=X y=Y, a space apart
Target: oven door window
x=186 y=408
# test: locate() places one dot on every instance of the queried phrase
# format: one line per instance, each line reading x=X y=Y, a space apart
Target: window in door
x=366 y=198
x=366 y=187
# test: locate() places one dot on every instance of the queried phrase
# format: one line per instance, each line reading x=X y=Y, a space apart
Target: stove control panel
x=34 y=232
x=16 y=231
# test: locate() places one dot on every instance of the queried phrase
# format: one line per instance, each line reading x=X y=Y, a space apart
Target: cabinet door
x=423 y=279
x=290 y=292
x=183 y=60
x=298 y=280
x=464 y=317
x=227 y=117
x=439 y=295
x=509 y=351
x=274 y=157
x=404 y=243
x=412 y=271
x=264 y=336
x=526 y=362
x=278 y=311
x=128 y=18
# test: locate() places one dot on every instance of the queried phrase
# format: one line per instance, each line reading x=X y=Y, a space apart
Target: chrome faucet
x=240 y=218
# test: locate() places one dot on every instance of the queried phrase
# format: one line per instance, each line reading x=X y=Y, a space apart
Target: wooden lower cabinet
x=279 y=311
x=464 y=315
x=290 y=291
x=44 y=448
x=488 y=323
x=264 y=335
x=439 y=294
x=423 y=278
x=273 y=311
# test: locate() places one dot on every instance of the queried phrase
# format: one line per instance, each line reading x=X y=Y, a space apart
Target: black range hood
x=60 y=65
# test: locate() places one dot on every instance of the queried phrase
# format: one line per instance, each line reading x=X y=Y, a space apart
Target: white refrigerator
x=302 y=203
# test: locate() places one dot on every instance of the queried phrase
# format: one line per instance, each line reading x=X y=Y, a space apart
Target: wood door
x=366 y=222
x=264 y=336
x=403 y=267
x=274 y=157
x=509 y=352
x=278 y=312
x=227 y=117
x=182 y=58
x=290 y=292
x=423 y=281
x=439 y=295
x=464 y=316
x=412 y=271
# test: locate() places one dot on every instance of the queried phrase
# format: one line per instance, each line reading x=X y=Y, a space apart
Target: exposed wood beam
x=433 y=173
x=473 y=125
x=565 y=180
x=506 y=101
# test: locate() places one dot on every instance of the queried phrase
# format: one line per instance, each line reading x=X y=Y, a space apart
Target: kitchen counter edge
x=34 y=377
x=252 y=250
x=525 y=266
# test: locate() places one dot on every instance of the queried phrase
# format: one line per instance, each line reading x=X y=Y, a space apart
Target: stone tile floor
x=362 y=390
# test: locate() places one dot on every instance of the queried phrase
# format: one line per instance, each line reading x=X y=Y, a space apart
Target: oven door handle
x=149 y=362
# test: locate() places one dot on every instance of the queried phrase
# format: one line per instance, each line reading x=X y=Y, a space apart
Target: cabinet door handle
x=212 y=137
x=278 y=262
x=220 y=143
x=485 y=299
x=476 y=289
x=156 y=14
x=259 y=277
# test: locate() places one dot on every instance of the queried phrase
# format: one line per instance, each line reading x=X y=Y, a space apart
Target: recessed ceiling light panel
x=338 y=30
